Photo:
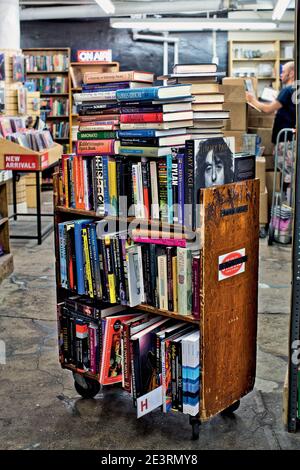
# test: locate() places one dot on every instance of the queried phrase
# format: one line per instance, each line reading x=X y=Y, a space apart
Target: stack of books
x=207 y=103
x=99 y=111
x=154 y=120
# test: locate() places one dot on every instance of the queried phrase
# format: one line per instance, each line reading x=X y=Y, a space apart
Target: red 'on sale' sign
x=232 y=264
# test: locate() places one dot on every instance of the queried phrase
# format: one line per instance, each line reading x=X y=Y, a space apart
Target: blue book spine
x=180 y=159
x=62 y=255
x=105 y=184
x=138 y=94
x=169 y=189
x=78 y=225
x=130 y=151
x=136 y=133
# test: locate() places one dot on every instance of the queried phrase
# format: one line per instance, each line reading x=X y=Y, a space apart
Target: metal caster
x=195 y=423
x=231 y=409
x=86 y=387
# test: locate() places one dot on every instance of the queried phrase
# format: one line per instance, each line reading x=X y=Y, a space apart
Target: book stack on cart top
x=99 y=110
x=207 y=105
x=154 y=120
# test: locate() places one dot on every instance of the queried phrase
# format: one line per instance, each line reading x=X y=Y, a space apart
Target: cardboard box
x=264 y=120
x=238 y=116
x=239 y=81
x=266 y=138
x=260 y=170
x=233 y=93
x=238 y=135
x=263 y=208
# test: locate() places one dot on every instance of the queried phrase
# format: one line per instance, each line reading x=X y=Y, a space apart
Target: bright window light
x=106 y=6
x=173 y=25
x=280 y=9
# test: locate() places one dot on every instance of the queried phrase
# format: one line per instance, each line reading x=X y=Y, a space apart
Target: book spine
x=154 y=275
x=196 y=286
x=96 y=262
x=163 y=189
x=106 y=185
x=112 y=181
x=110 y=271
x=107 y=135
x=146 y=189
x=162 y=282
x=184 y=279
x=65 y=180
x=62 y=255
x=92 y=350
x=136 y=134
x=169 y=189
x=181 y=196
x=175 y=188
x=174 y=378
x=94 y=147
x=141 y=109
x=179 y=378
x=174 y=278
x=154 y=191
x=141 y=117
x=138 y=151
x=96 y=77
x=189 y=185
x=133 y=141
x=170 y=254
x=103 y=269
x=125 y=293
x=88 y=267
x=146 y=94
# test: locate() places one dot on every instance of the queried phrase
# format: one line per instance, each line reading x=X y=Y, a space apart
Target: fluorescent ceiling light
x=173 y=24
x=280 y=9
x=106 y=5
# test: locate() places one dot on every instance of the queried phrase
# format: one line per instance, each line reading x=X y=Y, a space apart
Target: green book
x=96 y=135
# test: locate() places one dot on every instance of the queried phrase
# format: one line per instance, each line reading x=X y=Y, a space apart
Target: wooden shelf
x=54 y=94
x=93 y=64
x=47 y=71
x=3 y=221
x=257 y=59
x=92 y=214
x=57 y=117
x=288 y=59
x=166 y=313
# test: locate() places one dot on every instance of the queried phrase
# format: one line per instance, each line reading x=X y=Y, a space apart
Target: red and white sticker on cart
x=232 y=264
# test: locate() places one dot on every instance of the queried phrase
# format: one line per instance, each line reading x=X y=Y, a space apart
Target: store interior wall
x=195 y=47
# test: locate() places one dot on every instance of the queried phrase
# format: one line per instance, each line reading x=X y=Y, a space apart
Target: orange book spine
x=141 y=117
x=95 y=147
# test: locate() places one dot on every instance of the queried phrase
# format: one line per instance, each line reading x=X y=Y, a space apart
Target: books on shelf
x=49 y=85
x=52 y=107
x=47 y=63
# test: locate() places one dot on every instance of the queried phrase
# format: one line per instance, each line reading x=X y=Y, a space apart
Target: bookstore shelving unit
x=77 y=69
x=243 y=56
x=6 y=260
x=229 y=221
x=60 y=72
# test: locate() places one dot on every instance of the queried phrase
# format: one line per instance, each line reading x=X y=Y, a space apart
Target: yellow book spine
x=110 y=273
x=88 y=272
x=174 y=275
x=112 y=180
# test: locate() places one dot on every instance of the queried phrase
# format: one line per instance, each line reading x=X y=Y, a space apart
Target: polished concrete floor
x=40 y=408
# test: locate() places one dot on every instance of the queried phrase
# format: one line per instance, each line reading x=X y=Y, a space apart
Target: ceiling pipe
x=122 y=9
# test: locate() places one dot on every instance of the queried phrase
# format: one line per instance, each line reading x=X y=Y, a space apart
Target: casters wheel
x=195 y=423
x=86 y=387
x=231 y=409
x=271 y=236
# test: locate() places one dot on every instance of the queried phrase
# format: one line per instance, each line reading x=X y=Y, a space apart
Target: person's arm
x=267 y=108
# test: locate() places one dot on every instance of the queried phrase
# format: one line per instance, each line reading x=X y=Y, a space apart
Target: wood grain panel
x=228 y=320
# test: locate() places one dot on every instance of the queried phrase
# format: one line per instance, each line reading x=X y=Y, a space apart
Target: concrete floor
x=40 y=408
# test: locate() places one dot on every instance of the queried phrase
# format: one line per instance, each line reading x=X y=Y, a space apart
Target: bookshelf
x=256 y=58
x=49 y=68
x=77 y=69
x=6 y=260
x=228 y=308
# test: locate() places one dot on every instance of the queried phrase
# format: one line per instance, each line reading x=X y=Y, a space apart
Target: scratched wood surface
x=228 y=321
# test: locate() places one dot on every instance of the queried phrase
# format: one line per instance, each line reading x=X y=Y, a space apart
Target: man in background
x=284 y=104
